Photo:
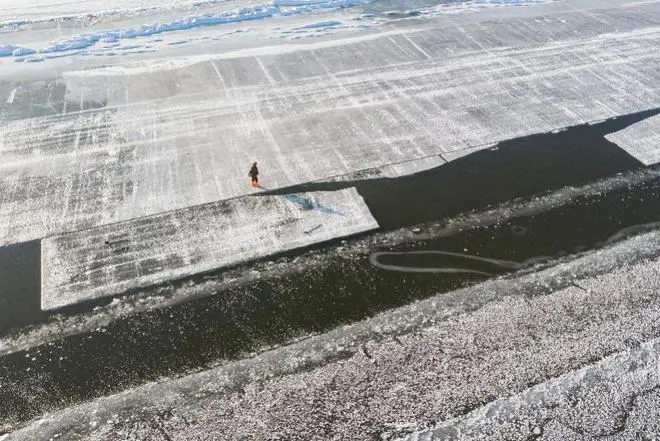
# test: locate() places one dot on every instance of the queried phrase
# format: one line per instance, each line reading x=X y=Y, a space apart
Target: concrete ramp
x=111 y=259
x=641 y=140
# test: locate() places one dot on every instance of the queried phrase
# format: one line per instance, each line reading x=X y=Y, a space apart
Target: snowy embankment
x=111 y=259
x=641 y=140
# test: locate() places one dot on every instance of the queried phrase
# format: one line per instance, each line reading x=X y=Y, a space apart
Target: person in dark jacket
x=254 y=174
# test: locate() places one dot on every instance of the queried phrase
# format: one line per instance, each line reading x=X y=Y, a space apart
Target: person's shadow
x=306 y=203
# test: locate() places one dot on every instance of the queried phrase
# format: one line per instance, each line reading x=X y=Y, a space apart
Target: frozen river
x=438 y=179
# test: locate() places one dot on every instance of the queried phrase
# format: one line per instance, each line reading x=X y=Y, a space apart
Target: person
x=254 y=174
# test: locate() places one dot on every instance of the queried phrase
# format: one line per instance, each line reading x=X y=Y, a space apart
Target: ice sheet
x=112 y=259
x=110 y=148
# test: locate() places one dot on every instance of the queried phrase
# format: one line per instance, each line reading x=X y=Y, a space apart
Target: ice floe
x=641 y=140
x=112 y=259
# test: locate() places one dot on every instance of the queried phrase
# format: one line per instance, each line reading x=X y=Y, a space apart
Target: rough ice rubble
x=594 y=399
x=86 y=42
x=112 y=259
x=15 y=51
x=248 y=13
